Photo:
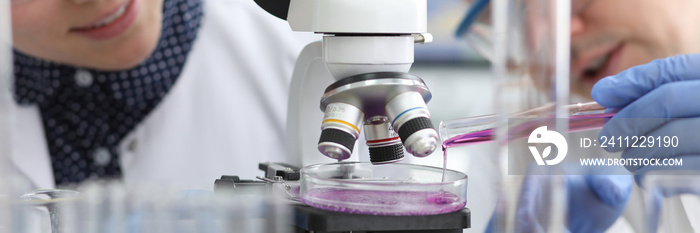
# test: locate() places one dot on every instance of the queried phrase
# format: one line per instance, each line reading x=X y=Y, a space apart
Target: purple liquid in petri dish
x=376 y=202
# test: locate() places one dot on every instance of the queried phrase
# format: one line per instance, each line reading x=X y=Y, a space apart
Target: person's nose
x=577 y=26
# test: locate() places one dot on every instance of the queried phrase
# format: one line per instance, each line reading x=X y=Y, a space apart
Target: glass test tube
x=531 y=75
x=479 y=129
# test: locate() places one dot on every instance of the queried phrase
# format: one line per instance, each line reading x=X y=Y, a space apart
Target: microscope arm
x=309 y=79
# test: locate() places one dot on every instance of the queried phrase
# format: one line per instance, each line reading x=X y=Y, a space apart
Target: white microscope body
x=362 y=64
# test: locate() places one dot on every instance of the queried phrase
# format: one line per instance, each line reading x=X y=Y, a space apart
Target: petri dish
x=388 y=189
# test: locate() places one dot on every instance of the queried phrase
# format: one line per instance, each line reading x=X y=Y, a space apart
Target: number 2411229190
x=639 y=141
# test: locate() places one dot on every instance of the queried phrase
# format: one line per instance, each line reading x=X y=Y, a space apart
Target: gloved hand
x=665 y=93
x=594 y=203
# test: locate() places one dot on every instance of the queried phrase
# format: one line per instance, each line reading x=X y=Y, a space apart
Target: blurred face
x=100 y=34
x=608 y=36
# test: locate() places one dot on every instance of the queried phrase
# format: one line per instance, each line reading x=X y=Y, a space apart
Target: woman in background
x=169 y=91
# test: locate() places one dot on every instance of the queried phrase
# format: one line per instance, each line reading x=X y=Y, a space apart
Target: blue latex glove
x=665 y=92
x=594 y=203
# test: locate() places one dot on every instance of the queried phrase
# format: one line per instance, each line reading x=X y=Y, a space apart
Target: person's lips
x=111 y=24
x=598 y=64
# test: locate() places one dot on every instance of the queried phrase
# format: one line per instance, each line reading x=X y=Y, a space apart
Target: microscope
x=362 y=65
x=359 y=75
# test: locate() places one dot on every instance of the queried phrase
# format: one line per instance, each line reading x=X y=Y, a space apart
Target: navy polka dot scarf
x=86 y=113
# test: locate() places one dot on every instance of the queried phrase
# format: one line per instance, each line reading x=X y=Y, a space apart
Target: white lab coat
x=225 y=114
